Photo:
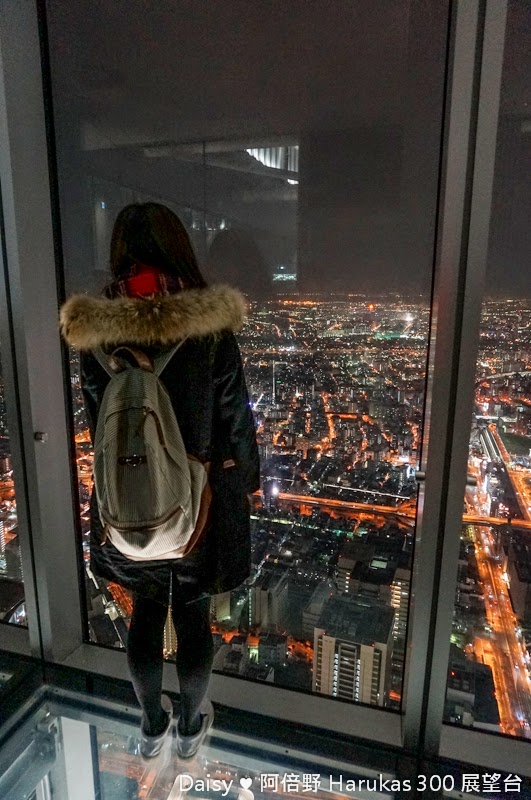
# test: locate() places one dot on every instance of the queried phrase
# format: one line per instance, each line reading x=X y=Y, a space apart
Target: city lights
x=337 y=392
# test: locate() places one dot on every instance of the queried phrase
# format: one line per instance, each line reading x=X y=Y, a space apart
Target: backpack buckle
x=132 y=461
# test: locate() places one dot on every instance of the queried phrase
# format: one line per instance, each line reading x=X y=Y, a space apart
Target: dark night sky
x=357 y=84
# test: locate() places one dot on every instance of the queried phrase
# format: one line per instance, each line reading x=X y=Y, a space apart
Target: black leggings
x=195 y=653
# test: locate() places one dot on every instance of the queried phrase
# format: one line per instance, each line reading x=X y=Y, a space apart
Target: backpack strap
x=162 y=360
x=103 y=361
x=142 y=359
x=112 y=364
x=109 y=363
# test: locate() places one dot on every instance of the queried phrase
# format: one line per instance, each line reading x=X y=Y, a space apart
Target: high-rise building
x=314 y=609
x=345 y=565
x=399 y=601
x=350 y=554
x=353 y=645
x=519 y=572
x=221 y=606
x=471 y=694
x=268 y=599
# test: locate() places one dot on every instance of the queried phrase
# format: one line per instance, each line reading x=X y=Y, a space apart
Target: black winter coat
x=207 y=387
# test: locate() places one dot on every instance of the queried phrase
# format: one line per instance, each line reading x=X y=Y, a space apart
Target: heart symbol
x=246 y=783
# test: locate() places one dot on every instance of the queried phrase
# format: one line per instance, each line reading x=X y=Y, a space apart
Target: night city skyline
x=337 y=390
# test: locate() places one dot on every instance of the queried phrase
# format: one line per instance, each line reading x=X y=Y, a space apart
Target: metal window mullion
x=473 y=104
x=37 y=355
x=19 y=640
x=473 y=292
x=11 y=638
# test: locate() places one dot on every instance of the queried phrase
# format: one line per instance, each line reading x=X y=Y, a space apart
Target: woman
x=157 y=298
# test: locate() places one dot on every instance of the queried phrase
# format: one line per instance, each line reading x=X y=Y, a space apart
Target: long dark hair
x=150 y=233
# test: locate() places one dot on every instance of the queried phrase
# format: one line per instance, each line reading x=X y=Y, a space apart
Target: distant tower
x=275 y=364
x=170 y=637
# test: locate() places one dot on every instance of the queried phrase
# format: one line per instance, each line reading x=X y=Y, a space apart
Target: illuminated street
x=505 y=655
x=504 y=652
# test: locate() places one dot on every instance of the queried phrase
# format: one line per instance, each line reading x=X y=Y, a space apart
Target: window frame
x=32 y=225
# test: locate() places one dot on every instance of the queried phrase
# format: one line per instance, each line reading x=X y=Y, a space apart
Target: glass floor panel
x=64 y=752
x=71 y=749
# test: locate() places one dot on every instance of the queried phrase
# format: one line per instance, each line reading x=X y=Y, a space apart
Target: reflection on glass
x=311 y=184
x=220 y=772
x=337 y=388
x=489 y=674
x=12 y=606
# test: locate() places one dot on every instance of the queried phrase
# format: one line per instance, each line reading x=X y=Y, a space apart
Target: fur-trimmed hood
x=87 y=322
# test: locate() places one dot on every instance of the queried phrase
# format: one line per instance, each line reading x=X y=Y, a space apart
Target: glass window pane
x=301 y=150
x=489 y=674
x=12 y=605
